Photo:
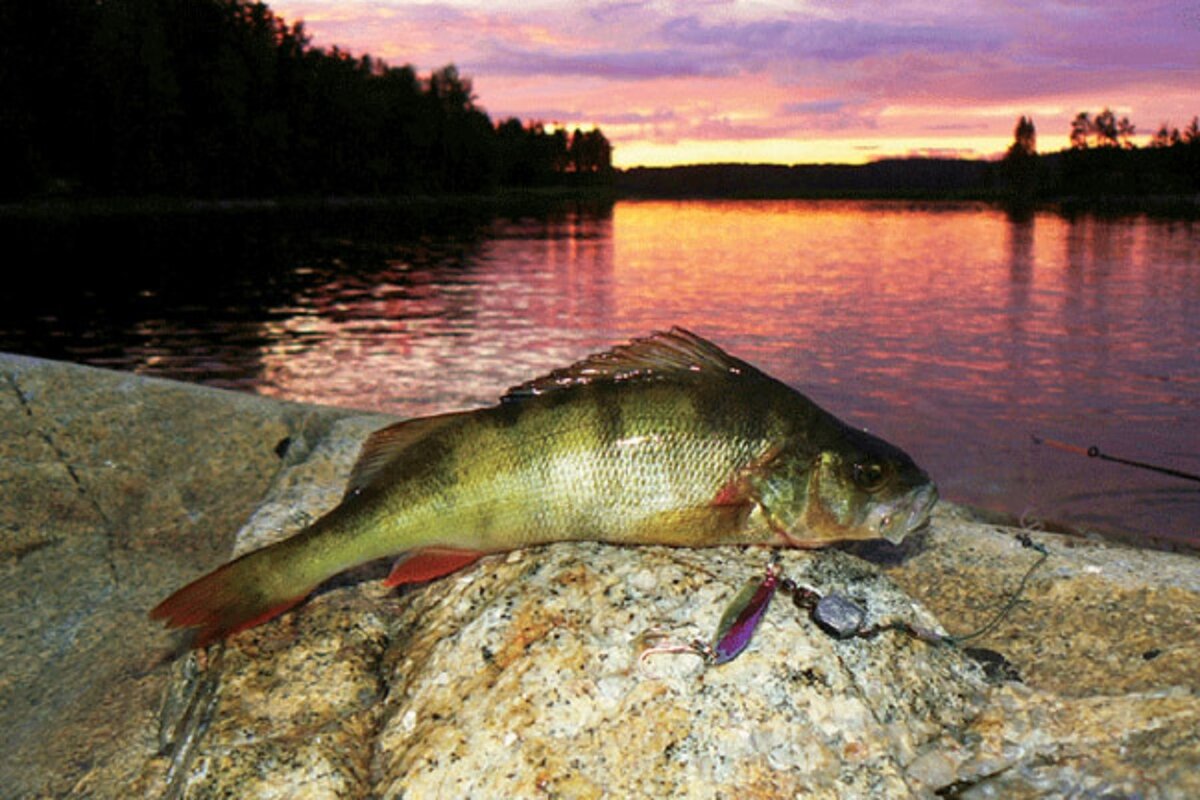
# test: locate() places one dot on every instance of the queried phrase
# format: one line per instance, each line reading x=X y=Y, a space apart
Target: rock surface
x=521 y=677
x=114 y=489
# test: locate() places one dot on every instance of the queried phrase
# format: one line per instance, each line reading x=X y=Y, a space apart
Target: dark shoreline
x=1166 y=206
x=65 y=207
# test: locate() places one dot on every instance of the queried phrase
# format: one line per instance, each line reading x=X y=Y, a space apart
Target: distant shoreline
x=1175 y=206
x=52 y=207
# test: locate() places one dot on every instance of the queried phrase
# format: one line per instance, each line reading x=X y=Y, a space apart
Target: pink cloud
x=883 y=70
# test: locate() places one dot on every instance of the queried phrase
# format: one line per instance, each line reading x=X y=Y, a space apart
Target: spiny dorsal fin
x=654 y=357
x=382 y=446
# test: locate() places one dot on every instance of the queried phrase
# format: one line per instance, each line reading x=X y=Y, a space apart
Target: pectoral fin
x=429 y=563
x=739 y=489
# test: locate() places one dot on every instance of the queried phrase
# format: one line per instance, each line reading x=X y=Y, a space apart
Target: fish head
x=855 y=486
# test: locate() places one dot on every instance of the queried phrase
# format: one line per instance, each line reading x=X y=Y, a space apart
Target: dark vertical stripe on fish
x=610 y=419
x=711 y=403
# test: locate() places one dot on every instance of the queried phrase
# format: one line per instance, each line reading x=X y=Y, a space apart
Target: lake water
x=955 y=332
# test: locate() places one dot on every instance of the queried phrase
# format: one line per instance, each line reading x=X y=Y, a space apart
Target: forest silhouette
x=1101 y=162
x=1100 y=168
x=222 y=98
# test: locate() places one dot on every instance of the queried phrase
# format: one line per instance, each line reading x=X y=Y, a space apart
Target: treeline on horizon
x=1101 y=163
x=222 y=98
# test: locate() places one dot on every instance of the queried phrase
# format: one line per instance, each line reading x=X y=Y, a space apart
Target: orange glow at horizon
x=672 y=83
x=635 y=153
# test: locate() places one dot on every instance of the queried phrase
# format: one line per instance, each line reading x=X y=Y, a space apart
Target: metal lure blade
x=741 y=618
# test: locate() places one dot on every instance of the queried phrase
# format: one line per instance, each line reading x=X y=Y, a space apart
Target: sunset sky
x=677 y=81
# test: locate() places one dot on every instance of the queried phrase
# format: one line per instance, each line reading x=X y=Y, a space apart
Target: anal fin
x=429 y=563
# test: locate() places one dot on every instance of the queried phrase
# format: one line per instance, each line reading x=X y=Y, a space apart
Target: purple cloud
x=711 y=69
x=689 y=47
x=814 y=107
x=613 y=64
x=830 y=114
x=829 y=40
x=658 y=117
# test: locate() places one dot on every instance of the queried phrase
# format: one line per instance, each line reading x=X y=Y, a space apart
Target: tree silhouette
x=1191 y=134
x=223 y=98
x=1024 y=138
x=538 y=154
x=590 y=153
x=1126 y=131
x=1019 y=169
x=1165 y=136
x=1104 y=128
x=1081 y=130
x=1116 y=167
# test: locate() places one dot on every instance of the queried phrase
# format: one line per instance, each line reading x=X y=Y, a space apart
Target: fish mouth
x=896 y=519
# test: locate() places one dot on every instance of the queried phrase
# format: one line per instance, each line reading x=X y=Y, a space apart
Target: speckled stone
x=1096 y=618
x=1106 y=640
x=523 y=677
x=520 y=676
x=113 y=490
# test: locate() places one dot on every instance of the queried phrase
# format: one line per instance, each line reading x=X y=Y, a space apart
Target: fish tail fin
x=229 y=599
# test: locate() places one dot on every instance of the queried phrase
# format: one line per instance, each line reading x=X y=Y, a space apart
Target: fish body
x=667 y=440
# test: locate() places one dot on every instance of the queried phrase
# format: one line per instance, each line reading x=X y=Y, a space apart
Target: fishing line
x=1025 y=541
x=834 y=613
x=1093 y=451
x=842 y=618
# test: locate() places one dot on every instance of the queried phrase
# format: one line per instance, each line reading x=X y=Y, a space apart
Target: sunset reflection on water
x=953 y=331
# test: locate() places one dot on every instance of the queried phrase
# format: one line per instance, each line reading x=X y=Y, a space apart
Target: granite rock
x=526 y=675
x=1106 y=639
x=1095 y=618
x=113 y=490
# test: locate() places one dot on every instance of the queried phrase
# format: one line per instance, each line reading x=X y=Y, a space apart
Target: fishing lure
x=836 y=614
x=741 y=618
x=734 y=631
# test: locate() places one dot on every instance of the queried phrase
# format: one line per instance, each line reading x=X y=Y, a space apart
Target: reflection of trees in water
x=1021 y=262
x=203 y=297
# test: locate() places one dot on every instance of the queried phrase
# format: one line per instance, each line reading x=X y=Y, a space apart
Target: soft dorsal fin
x=654 y=357
x=385 y=444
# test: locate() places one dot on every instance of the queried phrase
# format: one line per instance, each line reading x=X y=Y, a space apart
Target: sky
x=701 y=81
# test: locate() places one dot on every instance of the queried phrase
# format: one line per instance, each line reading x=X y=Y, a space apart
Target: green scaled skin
x=667 y=440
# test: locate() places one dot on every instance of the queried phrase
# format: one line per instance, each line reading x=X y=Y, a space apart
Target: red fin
x=734 y=493
x=738 y=490
x=429 y=563
x=225 y=601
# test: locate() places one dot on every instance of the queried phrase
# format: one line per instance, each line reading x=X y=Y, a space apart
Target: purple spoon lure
x=741 y=618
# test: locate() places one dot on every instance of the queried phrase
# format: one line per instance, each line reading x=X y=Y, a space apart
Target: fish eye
x=869 y=476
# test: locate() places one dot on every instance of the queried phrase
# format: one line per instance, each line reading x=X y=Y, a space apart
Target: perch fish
x=667 y=440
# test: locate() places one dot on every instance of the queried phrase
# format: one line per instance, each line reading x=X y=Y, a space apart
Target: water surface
x=955 y=332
